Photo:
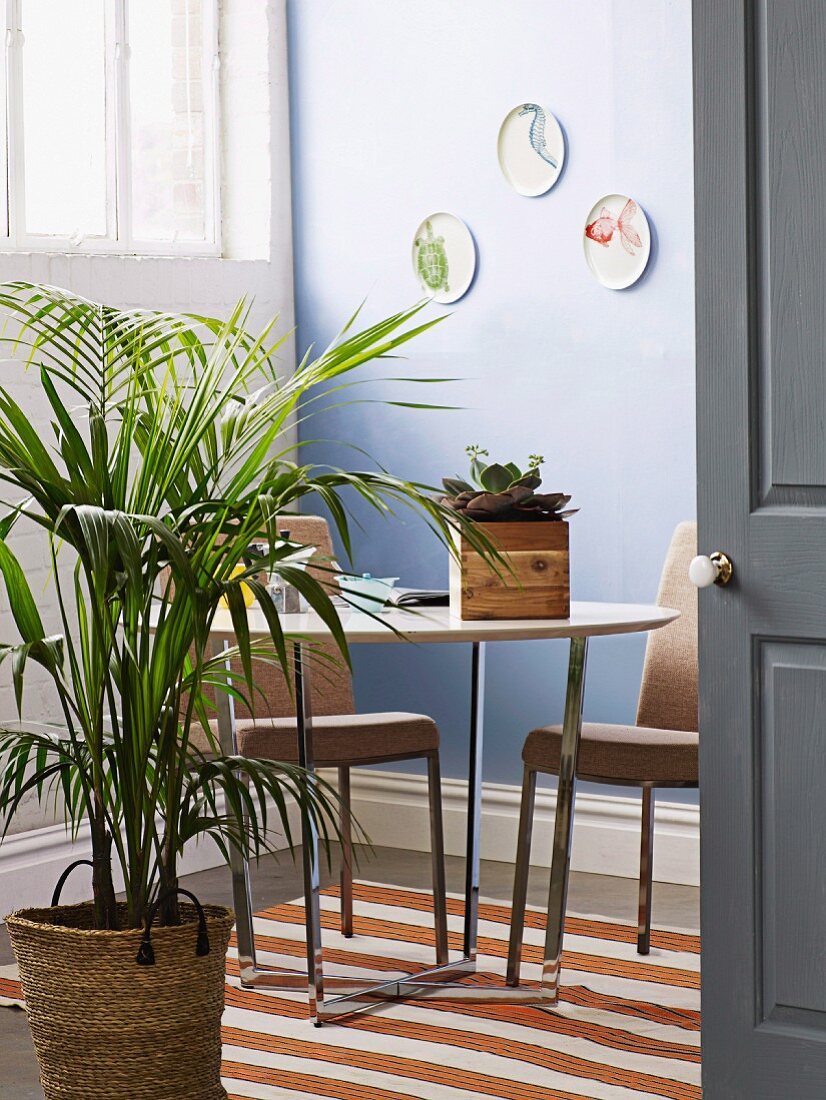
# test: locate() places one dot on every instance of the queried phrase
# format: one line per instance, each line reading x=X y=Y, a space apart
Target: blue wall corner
x=395 y=114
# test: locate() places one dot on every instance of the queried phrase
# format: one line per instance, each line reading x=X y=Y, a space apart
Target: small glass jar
x=276 y=592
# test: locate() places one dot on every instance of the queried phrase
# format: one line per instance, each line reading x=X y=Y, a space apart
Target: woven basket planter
x=105 y=1028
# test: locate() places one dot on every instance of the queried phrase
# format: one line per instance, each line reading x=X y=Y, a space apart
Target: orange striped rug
x=626 y=1028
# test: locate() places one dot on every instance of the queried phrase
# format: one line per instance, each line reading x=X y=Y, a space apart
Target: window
x=110 y=109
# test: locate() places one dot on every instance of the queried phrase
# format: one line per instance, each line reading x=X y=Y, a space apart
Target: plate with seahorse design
x=444 y=257
x=531 y=149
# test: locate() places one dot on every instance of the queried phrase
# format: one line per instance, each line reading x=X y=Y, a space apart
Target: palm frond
x=165 y=460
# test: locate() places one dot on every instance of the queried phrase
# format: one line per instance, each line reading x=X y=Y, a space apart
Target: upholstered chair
x=342 y=738
x=661 y=750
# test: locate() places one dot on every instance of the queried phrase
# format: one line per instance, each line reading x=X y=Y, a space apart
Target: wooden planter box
x=538 y=587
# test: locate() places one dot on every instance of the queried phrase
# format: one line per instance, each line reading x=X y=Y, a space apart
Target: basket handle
x=61 y=882
x=146 y=952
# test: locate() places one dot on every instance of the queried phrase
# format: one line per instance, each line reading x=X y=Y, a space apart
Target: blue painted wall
x=396 y=106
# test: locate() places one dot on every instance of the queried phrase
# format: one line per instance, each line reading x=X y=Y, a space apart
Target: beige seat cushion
x=341 y=737
x=620 y=753
x=338 y=739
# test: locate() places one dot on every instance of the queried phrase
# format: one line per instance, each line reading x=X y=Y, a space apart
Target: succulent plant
x=496 y=492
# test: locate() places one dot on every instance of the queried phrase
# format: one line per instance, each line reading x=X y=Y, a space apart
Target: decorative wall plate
x=444 y=257
x=617 y=241
x=531 y=149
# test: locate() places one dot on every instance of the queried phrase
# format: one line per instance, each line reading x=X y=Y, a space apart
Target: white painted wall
x=257 y=263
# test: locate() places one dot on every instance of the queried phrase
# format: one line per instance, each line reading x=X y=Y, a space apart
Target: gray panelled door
x=760 y=126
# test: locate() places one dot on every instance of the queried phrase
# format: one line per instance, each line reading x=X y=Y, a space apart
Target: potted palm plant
x=166 y=460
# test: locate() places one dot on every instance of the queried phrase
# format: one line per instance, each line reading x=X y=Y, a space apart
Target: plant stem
x=170 y=909
x=169 y=912
x=103 y=888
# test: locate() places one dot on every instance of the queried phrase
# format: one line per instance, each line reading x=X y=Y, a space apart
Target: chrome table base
x=332 y=996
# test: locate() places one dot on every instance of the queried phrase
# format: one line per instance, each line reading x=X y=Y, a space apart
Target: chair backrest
x=332 y=688
x=668 y=695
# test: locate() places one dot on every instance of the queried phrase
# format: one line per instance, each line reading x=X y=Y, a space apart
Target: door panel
x=788 y=151
x=760 y=156
x=791 y=824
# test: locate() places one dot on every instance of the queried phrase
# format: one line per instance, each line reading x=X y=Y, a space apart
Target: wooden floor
x=277 y=881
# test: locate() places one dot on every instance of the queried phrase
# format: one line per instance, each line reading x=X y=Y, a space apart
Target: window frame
x=4 y=145
x=119 y=239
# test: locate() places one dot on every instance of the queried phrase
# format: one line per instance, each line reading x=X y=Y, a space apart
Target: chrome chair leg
x=520 y=883
x=437 y=850
x=564 y=821
x=646 y=872
x=346 y=853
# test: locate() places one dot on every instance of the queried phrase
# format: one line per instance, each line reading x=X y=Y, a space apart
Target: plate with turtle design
x=617 y=241
x=531 y=149
x=444 y=257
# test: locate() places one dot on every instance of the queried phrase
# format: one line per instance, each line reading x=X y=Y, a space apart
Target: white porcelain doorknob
x=708 y=569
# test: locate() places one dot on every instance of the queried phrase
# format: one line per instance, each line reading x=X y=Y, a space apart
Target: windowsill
x=30 y=249
x=57 y=253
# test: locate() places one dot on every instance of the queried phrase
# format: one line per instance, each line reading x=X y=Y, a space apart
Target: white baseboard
x=32 y=862
x=392 y=808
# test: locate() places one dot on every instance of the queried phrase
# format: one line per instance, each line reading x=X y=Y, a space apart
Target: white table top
x=436 y=624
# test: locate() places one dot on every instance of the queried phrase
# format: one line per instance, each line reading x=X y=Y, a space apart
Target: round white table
x=431 y=626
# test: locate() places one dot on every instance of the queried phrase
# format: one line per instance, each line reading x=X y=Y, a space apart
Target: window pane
x=4 y=179
x=168 y=77
x=64 y=117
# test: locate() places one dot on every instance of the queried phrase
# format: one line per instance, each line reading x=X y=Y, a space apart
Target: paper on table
x=418 y=597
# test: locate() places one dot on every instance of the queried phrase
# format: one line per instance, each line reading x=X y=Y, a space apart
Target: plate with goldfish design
x=617 y=241
x=531 y=149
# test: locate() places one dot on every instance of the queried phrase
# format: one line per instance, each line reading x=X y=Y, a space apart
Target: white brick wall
x=256 y=225
x=32 y=551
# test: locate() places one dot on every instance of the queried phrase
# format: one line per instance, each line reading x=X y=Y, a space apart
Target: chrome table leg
x=241 y=889
x=520 y=877
x=443 y=982
x=437 y=858
x=474 y=809
x=309 y=840
x=563 y=825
